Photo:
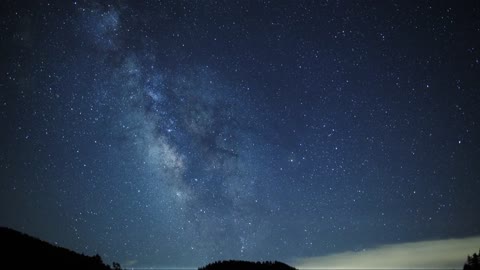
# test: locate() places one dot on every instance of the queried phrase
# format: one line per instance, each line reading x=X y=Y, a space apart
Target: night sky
x=176 y=133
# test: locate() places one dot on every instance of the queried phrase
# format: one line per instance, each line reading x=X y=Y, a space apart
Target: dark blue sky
x=175 y=133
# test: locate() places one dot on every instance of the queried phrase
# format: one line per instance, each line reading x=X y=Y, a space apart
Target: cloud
x=447 y=253
x=129 y=263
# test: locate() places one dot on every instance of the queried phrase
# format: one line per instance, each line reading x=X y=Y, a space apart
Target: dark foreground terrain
x=21 y=251
x=244 y=265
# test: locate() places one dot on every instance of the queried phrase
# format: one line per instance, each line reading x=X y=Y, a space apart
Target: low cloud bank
x=447 y=253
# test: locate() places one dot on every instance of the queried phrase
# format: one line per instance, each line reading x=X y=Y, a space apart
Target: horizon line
x=311 y=268
x=379 y=268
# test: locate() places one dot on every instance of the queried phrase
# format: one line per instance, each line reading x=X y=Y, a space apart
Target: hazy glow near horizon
x=435 y=254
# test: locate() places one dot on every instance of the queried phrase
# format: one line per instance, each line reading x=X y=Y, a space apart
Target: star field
x=176 y=133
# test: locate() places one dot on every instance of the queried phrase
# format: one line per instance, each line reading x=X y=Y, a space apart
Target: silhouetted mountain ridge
x=21 y=251
x=246 y=265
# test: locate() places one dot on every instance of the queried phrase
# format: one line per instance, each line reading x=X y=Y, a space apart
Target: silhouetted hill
x=21 y=251
x=244 y=265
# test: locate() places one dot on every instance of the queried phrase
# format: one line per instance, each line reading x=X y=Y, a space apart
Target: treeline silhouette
x=245 y=265
x=472 y=262
x=21 y=251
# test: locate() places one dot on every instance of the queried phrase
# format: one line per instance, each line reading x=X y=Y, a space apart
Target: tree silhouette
x=472 y=262
x=116 y=266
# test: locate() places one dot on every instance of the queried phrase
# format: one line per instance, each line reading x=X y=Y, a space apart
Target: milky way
x=173 y=134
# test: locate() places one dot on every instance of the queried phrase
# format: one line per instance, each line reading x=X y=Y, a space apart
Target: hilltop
x=246 y=265
x=21 y=251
